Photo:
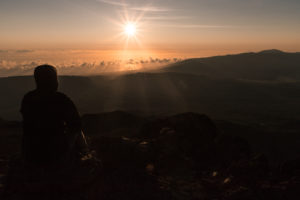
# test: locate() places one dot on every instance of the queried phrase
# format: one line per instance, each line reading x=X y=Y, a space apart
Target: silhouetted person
x=51 y=122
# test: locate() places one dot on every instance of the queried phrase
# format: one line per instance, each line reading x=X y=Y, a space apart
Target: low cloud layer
x=12 y=68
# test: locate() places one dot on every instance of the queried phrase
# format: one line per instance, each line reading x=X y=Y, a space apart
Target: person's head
x=46 y=78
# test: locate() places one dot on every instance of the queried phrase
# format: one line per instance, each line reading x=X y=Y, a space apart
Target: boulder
x=231 y=149
x=180 y=141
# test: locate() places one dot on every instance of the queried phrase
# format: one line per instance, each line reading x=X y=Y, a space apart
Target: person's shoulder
x=28 y=99
x=30 y=94
x=63 y=96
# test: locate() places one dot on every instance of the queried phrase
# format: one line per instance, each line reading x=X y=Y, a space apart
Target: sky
x=76 y=32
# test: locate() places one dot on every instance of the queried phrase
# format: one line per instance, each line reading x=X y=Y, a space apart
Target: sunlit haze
x=112 y=35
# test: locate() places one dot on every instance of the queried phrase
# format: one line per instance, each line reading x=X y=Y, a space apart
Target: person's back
x=50 y=119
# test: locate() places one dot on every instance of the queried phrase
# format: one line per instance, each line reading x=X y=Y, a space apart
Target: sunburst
x=130 y=29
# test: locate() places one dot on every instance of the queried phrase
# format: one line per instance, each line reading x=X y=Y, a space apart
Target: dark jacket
x=49 y=119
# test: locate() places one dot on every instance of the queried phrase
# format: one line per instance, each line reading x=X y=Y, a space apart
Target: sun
x=130 y=29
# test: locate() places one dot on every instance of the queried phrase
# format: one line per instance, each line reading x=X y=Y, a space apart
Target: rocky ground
x=186 y=156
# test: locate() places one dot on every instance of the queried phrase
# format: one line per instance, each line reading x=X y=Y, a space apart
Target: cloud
x=166 y=18
x=24 y=51
x=113 y=2
x=193 y=26
x=140 y=8
x=150 y=9
x=11 y=68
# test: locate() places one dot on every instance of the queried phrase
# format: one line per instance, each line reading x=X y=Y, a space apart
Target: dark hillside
x=265 y=65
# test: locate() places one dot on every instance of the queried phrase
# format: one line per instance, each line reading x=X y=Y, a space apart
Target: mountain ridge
x=264 y=65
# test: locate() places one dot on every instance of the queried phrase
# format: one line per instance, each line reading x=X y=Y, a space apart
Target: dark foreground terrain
x=184 y=156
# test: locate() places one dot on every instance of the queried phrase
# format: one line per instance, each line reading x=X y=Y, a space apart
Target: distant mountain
x=265 y=65
x=261 y=87
x=271 y=51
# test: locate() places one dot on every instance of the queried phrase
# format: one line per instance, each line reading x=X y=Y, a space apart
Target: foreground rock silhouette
x=185 y=156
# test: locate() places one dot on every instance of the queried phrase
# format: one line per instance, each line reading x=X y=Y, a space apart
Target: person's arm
x=26 y=124
x=73 y=122
x=22 y=111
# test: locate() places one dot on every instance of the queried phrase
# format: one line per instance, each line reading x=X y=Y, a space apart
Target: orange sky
x=91 y=31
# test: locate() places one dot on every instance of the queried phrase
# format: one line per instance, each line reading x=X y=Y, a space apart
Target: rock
x=230 y=149
x=187 y=124
x=291 y=168
x=181 y=142
x=250 y=170
x=121 y=153
x=114 y=124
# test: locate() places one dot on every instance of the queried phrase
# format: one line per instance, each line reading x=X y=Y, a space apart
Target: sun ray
x=130 y=28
